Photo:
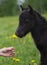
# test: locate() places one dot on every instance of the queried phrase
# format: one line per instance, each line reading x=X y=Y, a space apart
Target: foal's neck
x=39 y=28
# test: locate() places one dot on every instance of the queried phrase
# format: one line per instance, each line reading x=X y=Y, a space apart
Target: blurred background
x=11 y=7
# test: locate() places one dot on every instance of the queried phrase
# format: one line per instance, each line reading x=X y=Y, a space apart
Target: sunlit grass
x=25 y=50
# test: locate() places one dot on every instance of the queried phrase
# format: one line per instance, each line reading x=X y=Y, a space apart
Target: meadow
x=25 y=50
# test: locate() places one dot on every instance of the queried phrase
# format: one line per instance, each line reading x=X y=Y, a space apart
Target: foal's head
x=26 y=21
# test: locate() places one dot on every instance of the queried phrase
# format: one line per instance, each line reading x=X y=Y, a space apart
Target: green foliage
x=10 y=7
x=40 y=5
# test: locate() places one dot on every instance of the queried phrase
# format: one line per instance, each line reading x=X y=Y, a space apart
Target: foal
x=31 y=21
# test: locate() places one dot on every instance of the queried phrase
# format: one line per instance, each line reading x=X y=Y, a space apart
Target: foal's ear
x=21 y=7
x=30 y=9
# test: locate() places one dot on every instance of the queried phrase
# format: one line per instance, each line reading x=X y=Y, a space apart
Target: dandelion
x=33 y=61
x=10 y=37
x=16 y=59
x=14 y=36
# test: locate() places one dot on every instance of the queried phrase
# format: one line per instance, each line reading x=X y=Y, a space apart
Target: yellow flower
x=16 y=59
x=33 y=61
x=14 y=36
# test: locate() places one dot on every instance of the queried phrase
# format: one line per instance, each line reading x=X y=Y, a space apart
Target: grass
x=25 y=49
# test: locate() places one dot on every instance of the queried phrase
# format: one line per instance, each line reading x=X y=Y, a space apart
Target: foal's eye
x=27 y=20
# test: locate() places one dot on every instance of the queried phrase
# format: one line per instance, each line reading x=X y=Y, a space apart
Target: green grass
x=25 y=49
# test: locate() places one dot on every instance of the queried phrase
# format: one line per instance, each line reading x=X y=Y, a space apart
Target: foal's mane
x=43 y=20
x=41 y=17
